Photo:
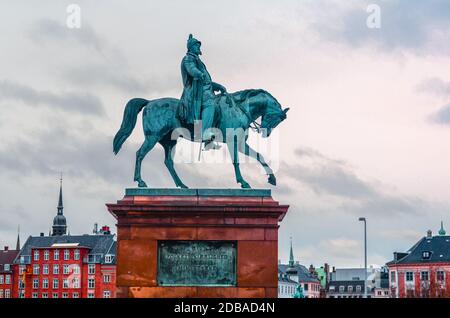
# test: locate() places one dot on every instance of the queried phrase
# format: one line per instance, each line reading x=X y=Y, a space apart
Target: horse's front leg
x=233 y=148
x=256 y=155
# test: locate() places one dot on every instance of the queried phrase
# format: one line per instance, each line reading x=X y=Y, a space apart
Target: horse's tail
x=132 y=109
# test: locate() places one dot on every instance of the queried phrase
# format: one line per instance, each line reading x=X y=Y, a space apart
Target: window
x=440 y=276
x=35 y=283
x=76 y=283
x=34 y=295
x=46 y=255
x=55 y=269
x=358 y=288
x=45 y=269
x=106 y=294
x=75 y=295
x=332 y=288
x=55 y=284
x=350 y=289
x=2 y=279
x=56 y=255
x=108 y=259
x=66 y=255
x=7 y=293
x=91 y=269
x=426 y=255
x=21 y=269
x=44 y=295
x=76 y=255
x=54 y=295
x=306 y=286
x=35 y=269
x=76 y=269
x=90 y=295
x=393 y=277
x=91 y=283
x=65 y=283
x=66 y=269
x=341 y=289
x=8 y=279
x=45 y=283
x=424 y=276
x=106 y=278
x=6 y=267
x=36 y=255
x=409 y=276
x=65 y=295
x=1 y=293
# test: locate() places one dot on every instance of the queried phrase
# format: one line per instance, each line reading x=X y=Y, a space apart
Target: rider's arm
x=191 y=67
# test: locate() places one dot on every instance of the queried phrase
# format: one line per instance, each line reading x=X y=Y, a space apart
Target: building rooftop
x=303 y=273
x=7 y=256
x=98 y=244
x=429 y=249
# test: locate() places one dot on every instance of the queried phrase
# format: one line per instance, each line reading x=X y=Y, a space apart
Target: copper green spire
x=291 y=256
x=442 y=231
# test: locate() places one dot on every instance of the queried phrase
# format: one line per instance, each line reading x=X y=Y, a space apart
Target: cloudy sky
x=367 y=134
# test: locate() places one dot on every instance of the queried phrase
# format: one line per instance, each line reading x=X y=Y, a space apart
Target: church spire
x=60 y=201
x=442 y=231
x=18 y=238
x=59 y=221
x=291 y=256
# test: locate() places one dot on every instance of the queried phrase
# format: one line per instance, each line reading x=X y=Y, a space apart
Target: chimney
x=6 y=248
x=429 y=234
x=105 y=230
x=95 y=231
x=41 y=234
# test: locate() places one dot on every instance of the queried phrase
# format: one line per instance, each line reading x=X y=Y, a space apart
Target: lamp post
x=363 y=219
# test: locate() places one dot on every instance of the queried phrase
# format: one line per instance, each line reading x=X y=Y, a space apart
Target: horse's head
x=273 y=116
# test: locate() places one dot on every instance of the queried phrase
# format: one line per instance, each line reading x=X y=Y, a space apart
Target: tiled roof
x=346 y=284
x=7 y=257
x=303 y=273
x=438 y=248
x=98 y=244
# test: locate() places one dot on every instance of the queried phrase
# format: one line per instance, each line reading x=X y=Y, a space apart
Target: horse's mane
x=248 y=93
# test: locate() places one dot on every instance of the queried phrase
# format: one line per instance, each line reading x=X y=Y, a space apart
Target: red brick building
x=65 y=266
x=7 y=278
x=424 y=270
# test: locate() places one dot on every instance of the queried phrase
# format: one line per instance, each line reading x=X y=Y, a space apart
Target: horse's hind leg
x=169 y=145
x=149 y=142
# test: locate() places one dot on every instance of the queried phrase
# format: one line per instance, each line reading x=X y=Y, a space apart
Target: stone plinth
x=146 y=218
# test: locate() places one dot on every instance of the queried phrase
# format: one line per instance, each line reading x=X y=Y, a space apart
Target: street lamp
x=365 y=255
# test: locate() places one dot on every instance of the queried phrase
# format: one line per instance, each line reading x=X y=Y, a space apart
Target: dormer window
x=426 y=255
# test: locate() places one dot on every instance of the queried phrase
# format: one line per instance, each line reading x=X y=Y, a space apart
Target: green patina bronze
x=299 y=292
x=196 y=263
x=224 y=117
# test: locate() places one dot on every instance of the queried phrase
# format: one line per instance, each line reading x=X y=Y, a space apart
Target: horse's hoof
x=245 y=185
x=272 y=180
x=142 y=184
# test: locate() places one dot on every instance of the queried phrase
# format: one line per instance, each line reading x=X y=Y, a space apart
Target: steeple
x=60 y=201
x=442 y=231
x=18 y=238
x=59 y=221
x=291 y=256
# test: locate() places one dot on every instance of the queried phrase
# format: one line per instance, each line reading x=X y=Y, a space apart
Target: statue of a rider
x=197 y=101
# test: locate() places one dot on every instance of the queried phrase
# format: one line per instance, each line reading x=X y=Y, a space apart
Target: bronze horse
x=161 y=123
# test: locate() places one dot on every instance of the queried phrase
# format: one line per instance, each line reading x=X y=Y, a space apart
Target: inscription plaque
x=196 y=263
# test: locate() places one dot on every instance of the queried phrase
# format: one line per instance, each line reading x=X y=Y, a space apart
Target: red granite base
x=251 y=221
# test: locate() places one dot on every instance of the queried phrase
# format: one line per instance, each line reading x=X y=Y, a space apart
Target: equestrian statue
x=222 y=117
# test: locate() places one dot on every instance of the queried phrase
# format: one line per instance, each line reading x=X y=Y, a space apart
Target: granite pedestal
x=197 y=243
